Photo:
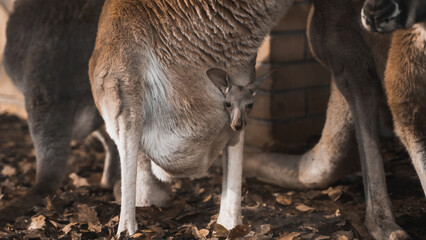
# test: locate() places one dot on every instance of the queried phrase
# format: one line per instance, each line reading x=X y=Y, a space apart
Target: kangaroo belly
x=184 y=124
x=182 y=156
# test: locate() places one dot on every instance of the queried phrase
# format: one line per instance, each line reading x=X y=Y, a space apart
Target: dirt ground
x=83 y=210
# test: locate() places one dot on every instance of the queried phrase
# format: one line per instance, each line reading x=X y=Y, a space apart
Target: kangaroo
x=48 y=47
x=360 y=63
x=405 y=77
x=154 y=80
x=319 y=167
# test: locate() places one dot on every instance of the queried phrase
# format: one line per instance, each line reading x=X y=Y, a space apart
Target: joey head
x=238 y=99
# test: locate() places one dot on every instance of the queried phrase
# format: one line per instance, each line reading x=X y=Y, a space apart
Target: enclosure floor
x=82 y=210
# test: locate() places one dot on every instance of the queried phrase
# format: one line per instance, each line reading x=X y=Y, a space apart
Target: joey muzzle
x=237 y=121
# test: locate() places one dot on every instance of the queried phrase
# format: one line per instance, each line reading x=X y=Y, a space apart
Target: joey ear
x=253 y=86
x=220 y=79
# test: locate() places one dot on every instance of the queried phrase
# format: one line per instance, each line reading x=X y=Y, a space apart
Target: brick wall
x=289 y=109
x=11 y=99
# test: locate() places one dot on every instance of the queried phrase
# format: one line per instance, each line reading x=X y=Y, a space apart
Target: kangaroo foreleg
x=230 y=205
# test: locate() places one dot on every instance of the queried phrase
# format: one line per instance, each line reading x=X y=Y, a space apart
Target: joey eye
x=250 y=105
x=228 y=104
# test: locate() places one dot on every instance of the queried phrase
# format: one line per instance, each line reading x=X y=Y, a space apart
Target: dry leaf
x=290 y=236
x=75 y=235
x=322 y=237
x=67 y=228
x=256 y=198
x=264 y=229
x=113 y=221
x=343 y=235
x=220 y=231
x=4 y=234
x=155 y=229
x=136 y=235
x=25 y=167
x=207 y=198
x=37 y=222
x=200 y=234
x=337 y=213
x=283 y=200
x=334 y=193
x=78 y=181
x=87 y=215
x=55 y=224
x=49 y=204
x=8 y=183
x=8 y=171
x=239 y=231
x=204 y=232
x=94 y=227
x=303 y=208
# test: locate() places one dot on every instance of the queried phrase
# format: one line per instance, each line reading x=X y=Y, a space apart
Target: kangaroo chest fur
x=407 y=56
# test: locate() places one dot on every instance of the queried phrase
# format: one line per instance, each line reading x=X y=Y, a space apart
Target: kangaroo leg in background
x=356 y=68
x=331 y=158
x=362 y=93
x=51 y=134
x=230 y=204
x=111 y=172
x=150 y=190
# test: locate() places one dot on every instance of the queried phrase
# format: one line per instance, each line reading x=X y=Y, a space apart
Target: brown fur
x=149 y=79
x=406 y=84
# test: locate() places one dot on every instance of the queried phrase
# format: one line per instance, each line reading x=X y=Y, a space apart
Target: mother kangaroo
x=150 y=76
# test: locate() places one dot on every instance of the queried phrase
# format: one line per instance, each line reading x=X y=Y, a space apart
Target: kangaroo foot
x=385 y=230
x=21 y=205
x=159 y=195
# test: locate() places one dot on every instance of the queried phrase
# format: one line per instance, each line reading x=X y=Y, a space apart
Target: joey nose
x=237 y=125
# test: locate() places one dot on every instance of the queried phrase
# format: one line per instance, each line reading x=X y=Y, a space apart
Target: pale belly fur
x=177 y=147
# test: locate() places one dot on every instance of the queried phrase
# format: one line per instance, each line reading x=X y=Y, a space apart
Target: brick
x=287 y=48
x=3 y=21
x=261 y=69
x=264 y=51
x=7 y=88
x=299 y=132
x=303 y=75
x=318 y=100
x=294 y=19
x=262 y=106
x=288 y=105
x=258 y=134
x=15 y=108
